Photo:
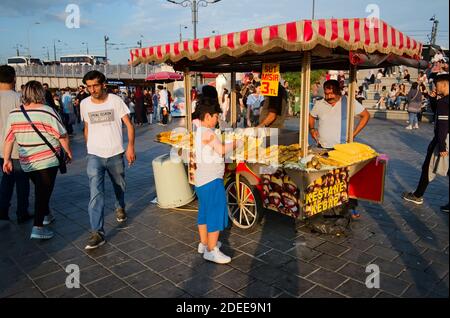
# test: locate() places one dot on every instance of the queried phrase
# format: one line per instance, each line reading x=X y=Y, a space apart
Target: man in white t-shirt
x=331 y=112
x=103 y=115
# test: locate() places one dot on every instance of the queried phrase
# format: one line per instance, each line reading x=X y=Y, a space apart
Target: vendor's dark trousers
x=20 y=179
x=44 y=181
x=424 y=180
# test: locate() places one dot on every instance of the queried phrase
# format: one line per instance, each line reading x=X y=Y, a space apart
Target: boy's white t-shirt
x=105 y=137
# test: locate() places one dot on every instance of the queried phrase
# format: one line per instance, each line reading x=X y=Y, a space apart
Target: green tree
x=294 y=79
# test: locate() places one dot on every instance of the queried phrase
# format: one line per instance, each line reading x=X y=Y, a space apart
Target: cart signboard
x=269 y=79
x=326 y=192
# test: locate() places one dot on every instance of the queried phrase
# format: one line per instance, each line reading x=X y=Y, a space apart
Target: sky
x=40 y=26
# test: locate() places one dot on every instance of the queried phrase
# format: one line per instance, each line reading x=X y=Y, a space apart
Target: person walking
x=36 y=156
x=414 y=101
x=103 y=115
x=10 y=100
x=436 y=159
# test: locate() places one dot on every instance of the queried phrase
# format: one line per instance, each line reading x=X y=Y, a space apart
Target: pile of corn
x=347 y=154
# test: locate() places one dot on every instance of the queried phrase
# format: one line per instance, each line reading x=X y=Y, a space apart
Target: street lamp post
x=140 y=41
x=313 y=7
x=54 y=47
x=48 y=52
x=106 y=38
x=181 y=34
x=28 y=35
x=87 y=47
x=194 y=4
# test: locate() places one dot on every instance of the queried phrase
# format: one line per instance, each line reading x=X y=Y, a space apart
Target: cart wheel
x=247 y=212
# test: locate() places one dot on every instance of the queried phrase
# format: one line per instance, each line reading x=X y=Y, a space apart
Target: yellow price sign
x=269 y=79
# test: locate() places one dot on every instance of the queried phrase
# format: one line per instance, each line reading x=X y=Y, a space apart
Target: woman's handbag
x=62 y=157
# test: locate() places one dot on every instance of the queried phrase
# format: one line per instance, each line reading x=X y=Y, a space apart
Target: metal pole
x=233 y=101
x=194 y=6
x=54 y=50
x=187 y=94
x=314 y=3
x=304 y=106
x=351 y=103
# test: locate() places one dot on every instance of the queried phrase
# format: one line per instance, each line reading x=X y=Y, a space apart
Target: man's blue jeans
x=96 y=170
x=20 y=178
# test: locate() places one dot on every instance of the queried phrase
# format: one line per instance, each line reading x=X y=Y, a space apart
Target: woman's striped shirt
x=34 y=154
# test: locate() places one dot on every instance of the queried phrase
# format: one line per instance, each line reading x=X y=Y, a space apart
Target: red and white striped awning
x=363 y=35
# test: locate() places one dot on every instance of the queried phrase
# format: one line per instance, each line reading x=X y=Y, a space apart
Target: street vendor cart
x=290 y=176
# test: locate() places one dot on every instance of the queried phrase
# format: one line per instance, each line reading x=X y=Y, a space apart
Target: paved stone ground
x=154 y=254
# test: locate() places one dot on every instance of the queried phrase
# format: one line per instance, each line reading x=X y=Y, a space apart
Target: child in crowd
x=209 y=186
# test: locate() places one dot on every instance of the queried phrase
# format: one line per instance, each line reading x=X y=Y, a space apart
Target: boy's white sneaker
x=216 y=256
x=202 y=247
x=409 y=127
x=416 y=126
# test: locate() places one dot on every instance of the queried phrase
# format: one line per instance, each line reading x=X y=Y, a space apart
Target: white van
x=23 y=61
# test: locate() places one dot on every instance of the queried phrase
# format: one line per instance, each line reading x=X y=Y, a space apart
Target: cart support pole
x=187 y=94
x=351 y=103
x=233 y=101
x=304 y=103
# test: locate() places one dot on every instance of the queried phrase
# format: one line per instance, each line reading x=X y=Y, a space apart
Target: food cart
x=304 y=181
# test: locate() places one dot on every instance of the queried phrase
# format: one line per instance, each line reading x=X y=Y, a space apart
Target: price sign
x=269 y=79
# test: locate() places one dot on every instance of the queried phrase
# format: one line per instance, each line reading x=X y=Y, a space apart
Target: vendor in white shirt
x=332 y=115
x=331 y=112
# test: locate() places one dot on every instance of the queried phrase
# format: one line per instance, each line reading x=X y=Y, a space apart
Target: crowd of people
x=36 y=125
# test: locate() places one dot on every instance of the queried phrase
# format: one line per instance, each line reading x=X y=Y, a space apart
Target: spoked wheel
x=244 y=207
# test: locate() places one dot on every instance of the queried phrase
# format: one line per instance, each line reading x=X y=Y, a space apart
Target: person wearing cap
x=436 y=159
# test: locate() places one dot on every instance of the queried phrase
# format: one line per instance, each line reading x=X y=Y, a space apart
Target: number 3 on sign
x=265 y=88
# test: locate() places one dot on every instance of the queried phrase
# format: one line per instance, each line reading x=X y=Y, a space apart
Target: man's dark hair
x=92 y=75
x=414 y=85
x=441 y=77
x=7 y=74
x=160 y=87
x=333 y=84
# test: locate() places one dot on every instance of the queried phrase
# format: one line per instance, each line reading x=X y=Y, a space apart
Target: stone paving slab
x=154 y=254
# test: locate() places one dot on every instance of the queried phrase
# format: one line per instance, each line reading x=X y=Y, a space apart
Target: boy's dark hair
x=92 y=75
x=206 y=105
x=441 y=77
x=210 y=92
x=7 y=74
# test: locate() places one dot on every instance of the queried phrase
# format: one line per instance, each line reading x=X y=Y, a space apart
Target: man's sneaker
x=96 y=240
x=409 y=196
x=409 y=127
x=202 y=247
x=121 y=216
x=216 y=256
x=444 y=208
x=48 y=219
x=24 y=218
x=41 y=233
x=416 y=126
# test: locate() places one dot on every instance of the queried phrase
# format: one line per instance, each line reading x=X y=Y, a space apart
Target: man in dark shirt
x=274 y=109
x=81 y=95
x=440 y=140
x=49 y=98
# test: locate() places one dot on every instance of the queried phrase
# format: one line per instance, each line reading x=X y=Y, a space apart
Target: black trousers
x=424 y=180
x=44 y=182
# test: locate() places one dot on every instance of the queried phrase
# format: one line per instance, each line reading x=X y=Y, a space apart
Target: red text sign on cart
x=269 y=79
x=327 y=192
